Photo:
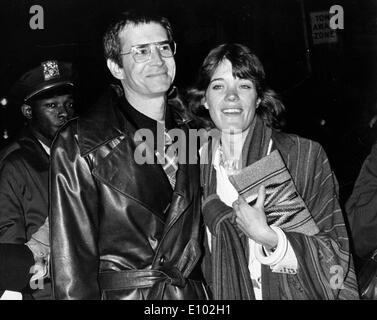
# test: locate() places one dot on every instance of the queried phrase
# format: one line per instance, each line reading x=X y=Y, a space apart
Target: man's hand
x=253 y=222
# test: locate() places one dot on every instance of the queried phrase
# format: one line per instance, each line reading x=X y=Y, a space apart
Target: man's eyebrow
x=149 y=43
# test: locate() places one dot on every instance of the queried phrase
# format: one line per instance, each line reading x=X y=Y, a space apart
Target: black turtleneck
x=141 y=121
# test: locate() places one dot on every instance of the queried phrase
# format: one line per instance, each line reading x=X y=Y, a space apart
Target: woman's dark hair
x=245 y=65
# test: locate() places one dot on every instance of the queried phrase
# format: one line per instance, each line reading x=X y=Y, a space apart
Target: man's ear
x=115 y=69
x=27 y=111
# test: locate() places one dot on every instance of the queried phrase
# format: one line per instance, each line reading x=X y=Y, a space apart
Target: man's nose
x=64 y=112
x=156 y=56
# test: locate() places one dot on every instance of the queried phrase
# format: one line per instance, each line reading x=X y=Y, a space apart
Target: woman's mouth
x=232 y=111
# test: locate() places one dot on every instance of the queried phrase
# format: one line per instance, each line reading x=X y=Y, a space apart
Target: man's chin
x=62 y=123
x=161 y=79
x=160 y=89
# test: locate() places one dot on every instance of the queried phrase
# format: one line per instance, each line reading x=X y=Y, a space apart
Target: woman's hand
x=253 y=222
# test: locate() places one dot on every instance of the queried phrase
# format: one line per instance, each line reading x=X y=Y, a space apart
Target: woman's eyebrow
x=216 y=79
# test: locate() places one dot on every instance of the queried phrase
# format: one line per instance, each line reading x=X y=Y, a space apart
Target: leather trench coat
x=118 y=229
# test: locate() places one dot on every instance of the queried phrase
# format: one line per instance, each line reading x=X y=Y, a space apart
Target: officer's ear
x=27 y=111
x=115 y=69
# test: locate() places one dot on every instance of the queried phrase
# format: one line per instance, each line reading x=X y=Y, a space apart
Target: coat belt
x=135 y=279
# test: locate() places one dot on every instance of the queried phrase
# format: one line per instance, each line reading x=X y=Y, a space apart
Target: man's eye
x=70 y=105
x=142 y=51
x=165 y=47
x=51 y=105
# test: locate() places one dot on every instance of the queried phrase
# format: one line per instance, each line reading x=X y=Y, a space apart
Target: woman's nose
x=232 y=95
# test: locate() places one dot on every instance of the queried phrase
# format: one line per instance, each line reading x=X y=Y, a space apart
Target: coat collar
x=283 y=142
x=102 y=124
x=30 y=148
x=33 y=146
x=106 y=123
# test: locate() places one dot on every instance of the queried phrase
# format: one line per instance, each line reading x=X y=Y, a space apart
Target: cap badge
x=50 y=69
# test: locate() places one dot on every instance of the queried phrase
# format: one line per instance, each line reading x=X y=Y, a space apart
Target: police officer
x=47 y=102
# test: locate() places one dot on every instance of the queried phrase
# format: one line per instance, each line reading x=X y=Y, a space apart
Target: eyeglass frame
x=157 y=44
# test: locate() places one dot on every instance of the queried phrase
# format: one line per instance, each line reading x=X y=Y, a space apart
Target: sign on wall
x=321 y=31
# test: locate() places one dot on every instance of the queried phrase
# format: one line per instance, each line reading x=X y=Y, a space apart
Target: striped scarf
x=230 y=277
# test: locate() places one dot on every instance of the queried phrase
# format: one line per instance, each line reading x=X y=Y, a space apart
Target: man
x=361 y=208
x=124 y=230
x=46 y=94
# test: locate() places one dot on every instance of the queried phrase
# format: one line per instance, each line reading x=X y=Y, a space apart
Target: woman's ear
x=27 y=111
x=115 y=69
x=258 y=102
x=204 y=103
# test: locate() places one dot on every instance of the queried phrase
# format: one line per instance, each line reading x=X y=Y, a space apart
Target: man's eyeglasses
x=142 y=52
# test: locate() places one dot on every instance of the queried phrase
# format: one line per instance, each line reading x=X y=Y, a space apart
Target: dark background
x=329 y=89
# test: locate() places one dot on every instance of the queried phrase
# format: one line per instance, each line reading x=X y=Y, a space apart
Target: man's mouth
x=157 y=74
x=62 y=122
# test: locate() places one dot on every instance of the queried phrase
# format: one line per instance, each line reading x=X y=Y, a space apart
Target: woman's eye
x=69 y=105
x=217 y=87
x=245 y=86
x=51 y=105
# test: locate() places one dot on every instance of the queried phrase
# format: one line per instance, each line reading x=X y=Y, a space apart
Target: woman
x=249 y=258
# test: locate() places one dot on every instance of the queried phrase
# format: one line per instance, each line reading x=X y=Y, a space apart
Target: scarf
x=230 y=277
x=284 y=208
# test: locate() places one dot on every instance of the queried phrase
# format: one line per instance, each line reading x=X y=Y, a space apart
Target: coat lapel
x=144 y=183
x=105 y=128
x=147 y=183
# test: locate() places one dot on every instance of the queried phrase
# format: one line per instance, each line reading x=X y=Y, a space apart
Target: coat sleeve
x=12 y=220
x=74 y=221
x=361 y=207
x=325 y=264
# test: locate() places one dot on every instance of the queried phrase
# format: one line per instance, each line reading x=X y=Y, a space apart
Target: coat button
x=162 y=260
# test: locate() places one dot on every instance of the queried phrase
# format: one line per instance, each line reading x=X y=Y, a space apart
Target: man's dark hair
x=111 y=40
